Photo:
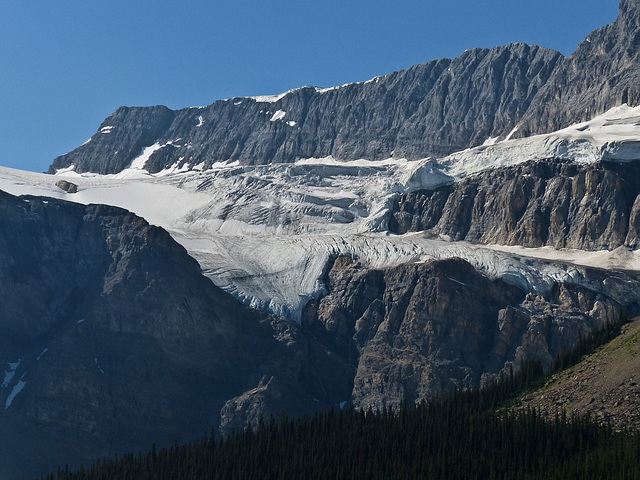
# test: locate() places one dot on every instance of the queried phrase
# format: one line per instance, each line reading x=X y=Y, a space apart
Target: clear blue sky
x=66 y=65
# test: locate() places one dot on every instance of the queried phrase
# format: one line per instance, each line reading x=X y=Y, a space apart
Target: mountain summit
x=430 y=109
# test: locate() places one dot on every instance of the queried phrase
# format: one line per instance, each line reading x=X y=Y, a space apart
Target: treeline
x=468 y=435
x=447 y=439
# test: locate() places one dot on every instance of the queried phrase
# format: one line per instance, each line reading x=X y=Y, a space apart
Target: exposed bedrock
x=111 y=339
x=422 y=329
x=602 y=73
x=431 y=109
x=554 y=203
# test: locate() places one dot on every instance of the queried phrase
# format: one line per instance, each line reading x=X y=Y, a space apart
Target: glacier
x=266 y=233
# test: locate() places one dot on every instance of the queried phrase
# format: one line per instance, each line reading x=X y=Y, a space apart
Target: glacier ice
x=265 y=233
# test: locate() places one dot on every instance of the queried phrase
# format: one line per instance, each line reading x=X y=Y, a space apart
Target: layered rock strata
x=541 y=203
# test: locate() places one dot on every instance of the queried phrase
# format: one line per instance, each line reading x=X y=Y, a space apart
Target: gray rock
x=118 y=341
x=602 y=73
x=67 y=186
x=553 y=203
x=430 y=109
x=421 y=330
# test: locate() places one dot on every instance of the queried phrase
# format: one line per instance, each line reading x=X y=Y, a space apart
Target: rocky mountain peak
x=602 y=73
x=431 y=109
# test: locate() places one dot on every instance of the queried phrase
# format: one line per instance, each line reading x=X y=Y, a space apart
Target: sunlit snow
x=9 y=374
x=279 y=115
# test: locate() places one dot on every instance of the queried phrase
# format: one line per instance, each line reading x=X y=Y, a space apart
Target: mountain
x=112 y=339
x=553 y=203
x=368 y=244
x=603 y=385
x=602 y=73
x=431 y=109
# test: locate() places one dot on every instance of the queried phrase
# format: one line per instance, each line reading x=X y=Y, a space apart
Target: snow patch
x=8 y=375
x=107 y=129
x=291 y=123
x=511 y=133
x=42 y=353
x=271 y=98
x=200 y=121
x=68 y=169
x=279 y=115
x=16 y=390
x=139 y=162
x=457 y=281
x=97 y=365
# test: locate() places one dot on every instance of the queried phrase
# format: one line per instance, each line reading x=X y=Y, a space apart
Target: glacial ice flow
x=266 y=233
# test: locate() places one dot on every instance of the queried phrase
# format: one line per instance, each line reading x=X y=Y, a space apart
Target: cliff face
x=430 y=109
x=551 y=203
x=112 y=339
x=420 y=330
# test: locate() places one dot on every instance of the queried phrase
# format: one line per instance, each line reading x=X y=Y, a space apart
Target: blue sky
x=66 y=65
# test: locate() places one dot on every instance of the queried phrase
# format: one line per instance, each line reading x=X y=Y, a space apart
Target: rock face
x=602 y=73
x=111 y=339
x=419 y=330
x=554 y=203
x=430 y=109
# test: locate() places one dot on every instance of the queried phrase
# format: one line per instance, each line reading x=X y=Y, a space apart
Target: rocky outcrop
x=67 y=186
x=111 y=339
x=120 y=139
x=430 y=109
x=554 y=203
x=423 y=329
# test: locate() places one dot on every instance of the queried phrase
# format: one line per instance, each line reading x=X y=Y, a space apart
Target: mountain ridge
x=416 y=112
x=432 y=109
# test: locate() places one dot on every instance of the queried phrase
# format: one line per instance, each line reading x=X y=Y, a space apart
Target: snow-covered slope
x=612 y=136
x=265 y=233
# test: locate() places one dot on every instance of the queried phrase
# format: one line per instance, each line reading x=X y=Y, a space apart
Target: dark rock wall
x=554 y=203
x=122 y=342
